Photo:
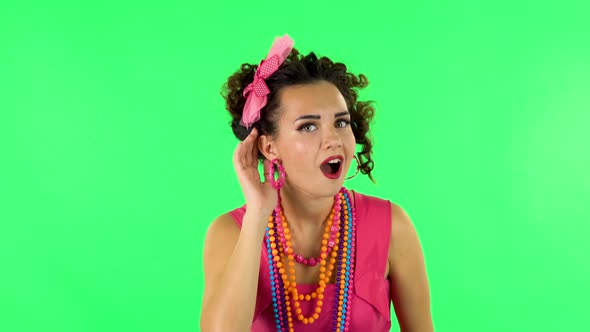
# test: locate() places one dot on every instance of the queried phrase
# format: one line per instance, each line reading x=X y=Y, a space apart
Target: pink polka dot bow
x=257 y=91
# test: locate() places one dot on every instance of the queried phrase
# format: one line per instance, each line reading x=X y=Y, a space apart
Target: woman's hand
x=261 y=197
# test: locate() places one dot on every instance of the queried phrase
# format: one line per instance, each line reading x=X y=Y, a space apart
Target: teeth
x=333 y=161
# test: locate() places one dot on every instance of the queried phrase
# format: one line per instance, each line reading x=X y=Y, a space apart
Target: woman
x=304 y=253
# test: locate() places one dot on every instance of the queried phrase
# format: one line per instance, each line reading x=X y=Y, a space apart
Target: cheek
x=294 y=150
x=350 y=143
x=298 y=153
x=300 y=158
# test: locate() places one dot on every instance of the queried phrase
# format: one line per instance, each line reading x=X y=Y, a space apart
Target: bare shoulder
x=220 y=240
x=222 y=227
x=400 y=221
x=398 y=214
x=401 y=230
x=222 y=235
x=404 y=242
x=407 y=274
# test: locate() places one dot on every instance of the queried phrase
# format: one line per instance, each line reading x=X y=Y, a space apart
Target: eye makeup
x=346 y=123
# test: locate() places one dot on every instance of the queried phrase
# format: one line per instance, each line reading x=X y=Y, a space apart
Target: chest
x=310 y=275
x=309 y=246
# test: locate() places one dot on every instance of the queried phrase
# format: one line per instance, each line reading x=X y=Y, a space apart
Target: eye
x=305 y=126
x=345 y=123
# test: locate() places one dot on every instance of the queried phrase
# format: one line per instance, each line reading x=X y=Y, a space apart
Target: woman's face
x=313 y=127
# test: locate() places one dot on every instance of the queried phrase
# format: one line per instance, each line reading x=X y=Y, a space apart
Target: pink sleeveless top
x=371 y=297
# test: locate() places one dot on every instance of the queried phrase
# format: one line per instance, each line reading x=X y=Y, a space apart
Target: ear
x=267 y=147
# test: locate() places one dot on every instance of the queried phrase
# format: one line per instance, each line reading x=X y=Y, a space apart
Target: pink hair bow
x=257 y=91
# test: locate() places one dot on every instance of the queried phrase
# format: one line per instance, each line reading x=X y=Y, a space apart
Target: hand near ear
x=261 y=197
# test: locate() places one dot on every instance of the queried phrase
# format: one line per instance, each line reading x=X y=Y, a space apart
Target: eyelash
x=312 y=124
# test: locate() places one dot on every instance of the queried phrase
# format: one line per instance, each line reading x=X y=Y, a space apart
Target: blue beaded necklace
x=344 y=275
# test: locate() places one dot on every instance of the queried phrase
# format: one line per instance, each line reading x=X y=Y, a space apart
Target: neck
x=304 y=211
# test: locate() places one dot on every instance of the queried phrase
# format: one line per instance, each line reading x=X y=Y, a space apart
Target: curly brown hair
x=298 y=69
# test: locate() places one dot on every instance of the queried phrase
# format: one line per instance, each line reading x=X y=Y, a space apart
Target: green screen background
x=116 y=151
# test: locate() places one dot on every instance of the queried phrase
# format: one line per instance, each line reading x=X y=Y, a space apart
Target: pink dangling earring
x=358 y=167
x=280 y=182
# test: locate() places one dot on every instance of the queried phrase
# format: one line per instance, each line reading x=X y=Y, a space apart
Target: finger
x=237 y=152
x=248 y=151
x=238 y=156
x=255 y=148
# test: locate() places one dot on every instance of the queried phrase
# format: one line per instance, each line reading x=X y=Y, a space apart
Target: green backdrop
x=116 y=151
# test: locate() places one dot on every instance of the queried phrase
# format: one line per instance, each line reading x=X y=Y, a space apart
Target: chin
x=333 y=187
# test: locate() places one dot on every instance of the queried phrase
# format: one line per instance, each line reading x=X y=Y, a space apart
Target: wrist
x=256 y=221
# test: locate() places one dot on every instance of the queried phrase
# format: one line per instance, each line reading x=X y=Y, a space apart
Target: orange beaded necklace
x=327 y=264
x=337 y=253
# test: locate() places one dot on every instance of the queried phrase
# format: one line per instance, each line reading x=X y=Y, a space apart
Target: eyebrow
x=317 y=117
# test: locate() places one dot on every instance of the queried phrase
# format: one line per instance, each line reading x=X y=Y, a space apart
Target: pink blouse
x=370 y=303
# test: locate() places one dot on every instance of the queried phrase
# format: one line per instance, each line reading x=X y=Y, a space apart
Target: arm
x=407 y=275
x=231 y=265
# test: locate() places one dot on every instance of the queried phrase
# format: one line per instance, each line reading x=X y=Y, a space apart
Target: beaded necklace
x=337 y=251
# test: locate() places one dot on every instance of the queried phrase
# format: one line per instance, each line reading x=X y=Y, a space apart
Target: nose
x=332 y=140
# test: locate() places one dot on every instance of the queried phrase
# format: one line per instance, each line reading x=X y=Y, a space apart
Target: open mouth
x=331 y=168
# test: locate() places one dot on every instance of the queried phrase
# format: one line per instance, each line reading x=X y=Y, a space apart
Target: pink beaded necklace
x=330 y=241
x=340 y=257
